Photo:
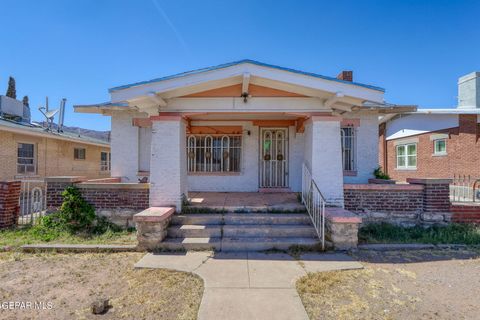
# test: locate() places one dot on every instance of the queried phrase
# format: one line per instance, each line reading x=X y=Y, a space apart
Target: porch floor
x=246 y=201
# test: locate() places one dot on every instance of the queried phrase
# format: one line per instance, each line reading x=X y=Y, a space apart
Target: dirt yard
x=442 y=284
x=72 y=281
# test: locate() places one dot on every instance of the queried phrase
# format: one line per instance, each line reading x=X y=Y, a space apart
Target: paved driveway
x=249 y=285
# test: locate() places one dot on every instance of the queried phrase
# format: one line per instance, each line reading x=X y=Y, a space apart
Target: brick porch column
x=323 y=152
x=168 y=165
x=9 y=207
x=436 y=194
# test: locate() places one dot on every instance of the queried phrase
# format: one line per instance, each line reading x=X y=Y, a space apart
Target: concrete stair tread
x=195 y=226
x=268 y=226
x=194 y=240
x=293 y=240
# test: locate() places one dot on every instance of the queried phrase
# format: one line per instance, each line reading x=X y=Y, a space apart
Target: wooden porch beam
x=245 y=82
x=273 y=123
x=333 y=99
x=156 y=99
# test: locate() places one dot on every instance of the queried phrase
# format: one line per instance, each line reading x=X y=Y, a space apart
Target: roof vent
x=345 y=76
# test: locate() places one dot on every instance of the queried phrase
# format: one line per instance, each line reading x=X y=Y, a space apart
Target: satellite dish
x=49 y=116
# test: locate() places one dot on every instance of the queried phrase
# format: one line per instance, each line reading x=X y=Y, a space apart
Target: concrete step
x=261 y=244
x=267 y=219
x=197 y=218
x=272 y=231
x=194 y=231
x=191 y=244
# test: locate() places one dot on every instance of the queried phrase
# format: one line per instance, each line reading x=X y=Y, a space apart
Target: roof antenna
x=61 y=116
x=49 y=115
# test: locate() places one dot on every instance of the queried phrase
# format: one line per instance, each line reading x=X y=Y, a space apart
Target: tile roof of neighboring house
x=36 y=129
x=226 y=65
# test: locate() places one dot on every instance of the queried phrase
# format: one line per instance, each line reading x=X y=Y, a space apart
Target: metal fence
x=315 y=203
x=33 y=200
x=465 y=189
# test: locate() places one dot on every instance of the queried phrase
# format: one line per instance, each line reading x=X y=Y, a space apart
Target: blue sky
x=416 y=50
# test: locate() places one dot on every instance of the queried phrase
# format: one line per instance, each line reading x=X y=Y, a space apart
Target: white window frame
x=105 y=165
x=406 y=156
x=435 y=150
x=34 y=158
x=198 y=145
x=353 y=148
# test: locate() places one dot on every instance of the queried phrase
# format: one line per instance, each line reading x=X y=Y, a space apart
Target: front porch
x=244 y=202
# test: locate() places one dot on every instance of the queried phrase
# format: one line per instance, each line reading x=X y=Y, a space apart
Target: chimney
x=469 y=91
x=345 y=76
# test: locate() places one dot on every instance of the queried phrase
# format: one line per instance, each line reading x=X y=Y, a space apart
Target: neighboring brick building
x=28 y=150
x=435 y=143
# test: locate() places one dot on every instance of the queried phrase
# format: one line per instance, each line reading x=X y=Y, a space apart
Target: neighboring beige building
x=29 y=151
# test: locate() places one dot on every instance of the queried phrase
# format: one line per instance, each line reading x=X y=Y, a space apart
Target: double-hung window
x=26 y=162
x=440 y=147
x=79 y=154
x=214 y=153
x=348 y=148
x=407 y=156
x=105 y=161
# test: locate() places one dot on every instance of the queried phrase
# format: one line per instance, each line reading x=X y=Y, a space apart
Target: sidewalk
x=250 y=285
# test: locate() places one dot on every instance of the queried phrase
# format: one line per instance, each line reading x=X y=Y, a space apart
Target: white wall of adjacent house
x=144 y=148
x=124 y=144
x=413 y=124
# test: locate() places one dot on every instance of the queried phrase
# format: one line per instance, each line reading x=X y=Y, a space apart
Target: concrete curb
x=79 y=248
x=411 y=246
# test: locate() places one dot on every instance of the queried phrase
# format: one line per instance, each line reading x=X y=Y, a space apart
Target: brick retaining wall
x=116 y=201
x=422 y=201
x=465 y=212
x=9 y=203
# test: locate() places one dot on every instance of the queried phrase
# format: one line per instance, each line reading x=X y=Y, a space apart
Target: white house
x=244 y=126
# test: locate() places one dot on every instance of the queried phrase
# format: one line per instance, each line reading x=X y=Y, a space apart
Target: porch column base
x=341 y=228
x=152 y=226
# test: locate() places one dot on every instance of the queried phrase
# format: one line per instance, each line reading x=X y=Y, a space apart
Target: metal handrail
x=314 y=202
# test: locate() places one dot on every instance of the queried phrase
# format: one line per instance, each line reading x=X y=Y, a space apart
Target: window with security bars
x=79 y=153
x=207 y=153
x=26 y=163
x=348 y=148
x=105 y=161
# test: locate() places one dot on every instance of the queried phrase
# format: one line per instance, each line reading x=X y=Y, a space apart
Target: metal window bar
x=213 y=153
x=314 y=201
x=464 y=188
x=349 y=144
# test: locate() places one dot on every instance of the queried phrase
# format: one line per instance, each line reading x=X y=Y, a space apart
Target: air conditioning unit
x=11 y=108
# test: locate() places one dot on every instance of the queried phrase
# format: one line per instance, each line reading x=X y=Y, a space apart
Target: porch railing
x=464 y=189
x=314 y=201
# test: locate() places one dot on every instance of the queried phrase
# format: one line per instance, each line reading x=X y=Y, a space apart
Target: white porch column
x=323 y=154
x=168 y=166
x=124 y=146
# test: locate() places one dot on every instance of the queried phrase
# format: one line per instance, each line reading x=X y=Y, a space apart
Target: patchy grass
x=353 y=295
x=450 y=234
x=29 y=235
x=73 y=281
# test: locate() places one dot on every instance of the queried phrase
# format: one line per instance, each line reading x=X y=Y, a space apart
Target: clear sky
x=416 y=50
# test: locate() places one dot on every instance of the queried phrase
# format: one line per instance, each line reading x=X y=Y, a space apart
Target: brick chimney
x=346 y=76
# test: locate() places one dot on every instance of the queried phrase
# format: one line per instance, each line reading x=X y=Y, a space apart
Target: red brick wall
x=101 y=197
x=463 y=153
x=9 y=203
x=465 y=213
x=383 y=198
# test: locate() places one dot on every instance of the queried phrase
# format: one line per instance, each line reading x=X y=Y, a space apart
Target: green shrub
x=379 y=174
x=76 y=213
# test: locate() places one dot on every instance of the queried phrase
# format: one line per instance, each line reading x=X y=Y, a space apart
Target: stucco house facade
x=244 y=126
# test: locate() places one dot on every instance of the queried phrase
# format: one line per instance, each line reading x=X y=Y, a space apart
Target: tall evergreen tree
x=11 y=91
x=25 y=101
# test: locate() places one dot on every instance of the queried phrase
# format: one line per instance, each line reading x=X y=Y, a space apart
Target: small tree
x=75 y=211
x=25 y=101
x=11 y=91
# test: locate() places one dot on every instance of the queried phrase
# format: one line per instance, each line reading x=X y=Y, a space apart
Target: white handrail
x=314 y=201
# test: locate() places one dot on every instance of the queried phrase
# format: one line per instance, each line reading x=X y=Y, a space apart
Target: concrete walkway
x=249 y=285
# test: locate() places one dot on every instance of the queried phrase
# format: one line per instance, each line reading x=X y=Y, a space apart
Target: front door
x=273 y=157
